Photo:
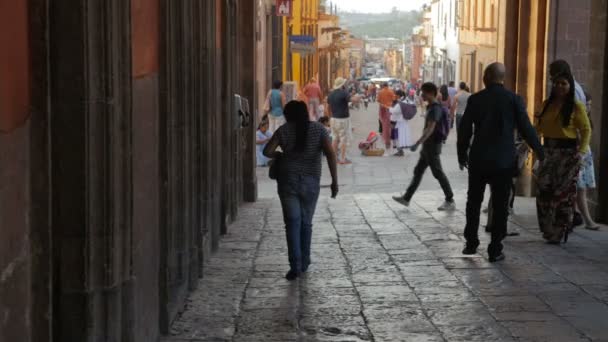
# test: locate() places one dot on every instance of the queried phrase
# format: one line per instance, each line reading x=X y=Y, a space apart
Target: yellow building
x=489 y=32
x=357 y=56
x=334 y=50
x=300 y=65
x=393 y=63
x=518 y=34
x=479 y=38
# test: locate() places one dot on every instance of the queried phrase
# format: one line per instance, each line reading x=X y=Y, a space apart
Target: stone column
x=91 y=170
x=598 y=85
x=247 y=14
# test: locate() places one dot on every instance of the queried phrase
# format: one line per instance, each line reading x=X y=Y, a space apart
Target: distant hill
x=395 y=24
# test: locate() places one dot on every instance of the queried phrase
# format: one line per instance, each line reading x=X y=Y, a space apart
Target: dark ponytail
x=296 y=112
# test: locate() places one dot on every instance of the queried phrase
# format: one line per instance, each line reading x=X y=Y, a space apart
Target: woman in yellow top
x=562 y=121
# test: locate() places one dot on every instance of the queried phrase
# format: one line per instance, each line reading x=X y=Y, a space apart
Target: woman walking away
x=560 y=122
x=314 y=95
x=303 y=142
x=276 y=101
x=586 y=180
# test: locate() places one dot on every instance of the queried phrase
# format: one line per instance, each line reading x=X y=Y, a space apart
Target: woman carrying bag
x=298 y=175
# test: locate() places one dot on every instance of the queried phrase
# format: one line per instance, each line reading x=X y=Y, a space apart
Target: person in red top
x=314 y=95
x=372 y=92
x=385 y=99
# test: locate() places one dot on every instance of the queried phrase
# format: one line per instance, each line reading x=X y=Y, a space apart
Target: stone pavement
x=382 y=272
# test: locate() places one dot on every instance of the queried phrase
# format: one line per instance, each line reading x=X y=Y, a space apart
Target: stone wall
x=15 y=261
x=130 y=167
x=597 y=81
x=577 y=33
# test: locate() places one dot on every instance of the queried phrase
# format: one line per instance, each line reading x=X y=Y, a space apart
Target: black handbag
x=275 y=167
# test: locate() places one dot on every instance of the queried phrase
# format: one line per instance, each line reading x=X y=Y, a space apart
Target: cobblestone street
x=383 y=272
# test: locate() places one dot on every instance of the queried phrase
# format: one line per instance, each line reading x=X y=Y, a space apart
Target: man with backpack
x=436 y=129
x=491 y=118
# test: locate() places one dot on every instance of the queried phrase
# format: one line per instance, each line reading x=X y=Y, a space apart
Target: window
x=483 y=13
x=439 y=14
x=460 y=10
x=451 y=21
x=475 y=14
x=470 y=13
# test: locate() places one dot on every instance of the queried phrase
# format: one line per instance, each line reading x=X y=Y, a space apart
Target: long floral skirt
x=556 y=180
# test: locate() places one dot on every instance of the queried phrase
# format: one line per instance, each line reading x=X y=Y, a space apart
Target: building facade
x=482 y=32
x=442 y=56
x=527 y=36
x=419 y=42
x=357 y=56
x=334 y=50
x=124 y=158
x=301 y=65
x=393 y=63
x=125 y=154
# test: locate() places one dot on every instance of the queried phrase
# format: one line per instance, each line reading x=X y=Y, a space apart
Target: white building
x=441 y=58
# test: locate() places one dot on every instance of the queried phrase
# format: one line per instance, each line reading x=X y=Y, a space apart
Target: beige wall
x=481 y=38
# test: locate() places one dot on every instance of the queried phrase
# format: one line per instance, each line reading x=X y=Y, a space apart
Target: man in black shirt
x=431 y=151
x=491 y=118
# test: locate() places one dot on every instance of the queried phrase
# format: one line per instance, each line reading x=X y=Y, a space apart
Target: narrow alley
x=132 y=207
x=382 y=272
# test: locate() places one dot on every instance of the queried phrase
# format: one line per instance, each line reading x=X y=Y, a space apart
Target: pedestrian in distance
x=302 y=143
x=275 y=101
x=325 y=121
x=338 y=101
x=386 y=97
x=446 y=101
x=561 y=122
x=435 y=133
x=263 y=136
x=522 y=153
x=452 y=91
x=586 y=180
x=460 y=103
x=401 y=122
x=313 y=94
x=491 y=118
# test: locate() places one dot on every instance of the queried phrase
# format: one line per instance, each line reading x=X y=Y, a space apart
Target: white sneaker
x=447 y=206
x=401 y=200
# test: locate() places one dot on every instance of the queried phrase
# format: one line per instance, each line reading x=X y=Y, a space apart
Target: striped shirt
x=304 y=163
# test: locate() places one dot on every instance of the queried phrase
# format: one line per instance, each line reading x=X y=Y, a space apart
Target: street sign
x=302 y=39
x=284 y=8
x=303 y=49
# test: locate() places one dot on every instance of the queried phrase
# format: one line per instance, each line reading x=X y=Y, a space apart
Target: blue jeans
x=299 y=195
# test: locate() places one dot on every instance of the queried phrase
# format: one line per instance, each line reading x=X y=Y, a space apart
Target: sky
x=378 y=6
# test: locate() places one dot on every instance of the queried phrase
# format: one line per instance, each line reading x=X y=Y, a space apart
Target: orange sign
x=14 y=64
x=284 y=8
